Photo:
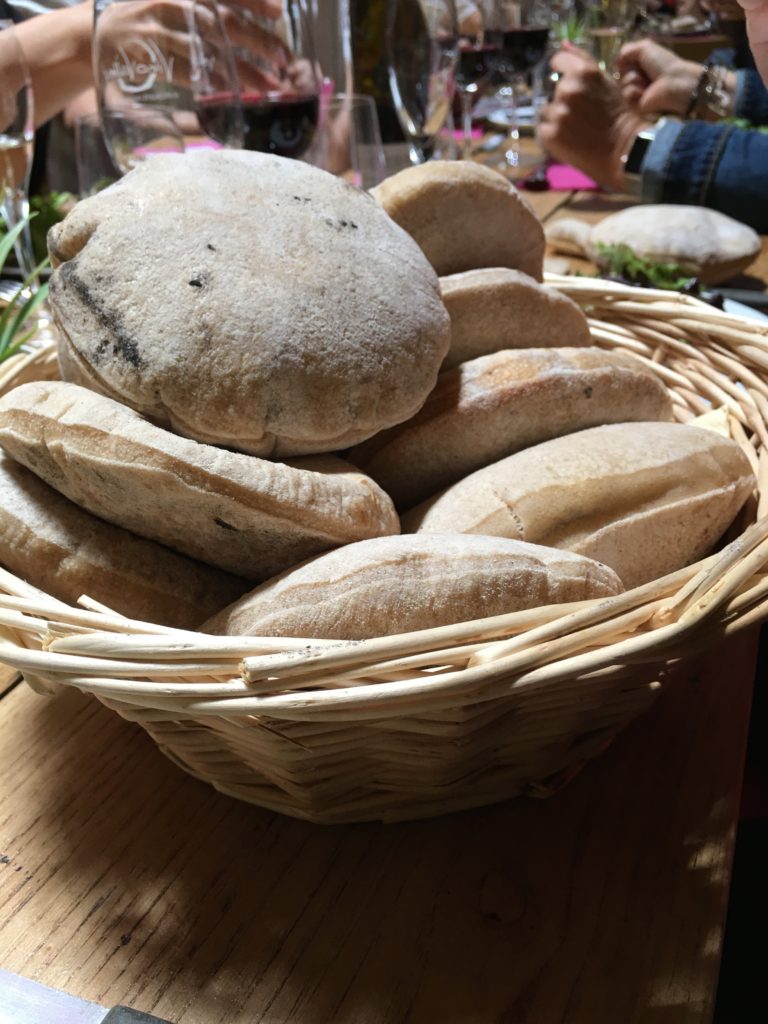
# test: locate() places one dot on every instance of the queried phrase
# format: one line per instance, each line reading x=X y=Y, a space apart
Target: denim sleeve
x=715 y=165
x=751 y=100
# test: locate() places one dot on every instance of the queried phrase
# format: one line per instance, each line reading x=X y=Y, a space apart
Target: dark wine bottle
x=368 y=24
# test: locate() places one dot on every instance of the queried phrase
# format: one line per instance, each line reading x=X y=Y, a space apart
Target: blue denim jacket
x=716 y=165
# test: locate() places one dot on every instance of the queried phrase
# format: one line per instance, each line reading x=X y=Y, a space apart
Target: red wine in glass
x=476 y=62
x=522 y=48
x=279 y=123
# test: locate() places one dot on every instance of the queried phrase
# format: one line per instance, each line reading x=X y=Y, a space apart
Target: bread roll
x=490 y=407
x=57 y=547
x=235 y=511
x=644 y=498
x=399 y=584
x=703 y=242
x=463 y=216
x=247 y=300
x=497 y=308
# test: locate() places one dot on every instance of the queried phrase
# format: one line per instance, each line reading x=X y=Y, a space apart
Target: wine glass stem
x=15 y=209
x=466 y=124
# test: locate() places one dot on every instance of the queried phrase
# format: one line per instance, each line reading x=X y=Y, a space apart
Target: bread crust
x=497 y=308
x=65 y=551
x=399 y=584
x=644 y=498
x=464 y=216
x=489 y=408
x=238 y=512
x=249 y=301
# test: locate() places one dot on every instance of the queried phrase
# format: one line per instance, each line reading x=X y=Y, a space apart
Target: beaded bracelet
x=710 y=94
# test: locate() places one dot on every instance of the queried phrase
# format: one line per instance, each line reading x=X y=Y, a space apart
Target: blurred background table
x=124 y=880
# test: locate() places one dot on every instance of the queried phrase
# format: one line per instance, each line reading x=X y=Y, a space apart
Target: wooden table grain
x=124 y=880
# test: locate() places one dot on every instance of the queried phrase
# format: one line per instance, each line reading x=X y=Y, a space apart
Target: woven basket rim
x=93 y=648
x=409 y=726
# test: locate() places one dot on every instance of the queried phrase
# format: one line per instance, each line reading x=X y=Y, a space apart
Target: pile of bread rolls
x=367 y=407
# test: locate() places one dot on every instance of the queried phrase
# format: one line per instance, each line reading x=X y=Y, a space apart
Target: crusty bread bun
x=497 y=308
x=59 y=548
x=399 y=584
x=240 y=513
x=644 y=498
x=704 y=243
x=496 y=405
x=247 y=300
x=463 y=216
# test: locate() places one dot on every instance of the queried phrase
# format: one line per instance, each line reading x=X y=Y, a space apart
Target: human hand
x=757 y=32
x=588 y=124
x=654 y=80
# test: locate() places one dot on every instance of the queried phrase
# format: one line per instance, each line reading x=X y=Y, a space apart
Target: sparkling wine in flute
x=609 y=24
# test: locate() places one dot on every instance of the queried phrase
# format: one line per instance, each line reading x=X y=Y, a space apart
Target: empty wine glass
x=164 y=70
x=520 y=30
x=422 y=53
x=348 y=142
x=16 y=139
x=477 y=56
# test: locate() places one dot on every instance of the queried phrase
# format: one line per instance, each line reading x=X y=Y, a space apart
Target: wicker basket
x=430 y=722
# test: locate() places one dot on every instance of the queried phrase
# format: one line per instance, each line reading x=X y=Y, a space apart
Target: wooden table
x=124 y=880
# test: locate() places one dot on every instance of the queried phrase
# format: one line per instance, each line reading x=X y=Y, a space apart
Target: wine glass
x=422 y=53
x=609 y=23
x=279 y=77
x=477 y=57
x=16 y=140
x=520 y=31
x=165 y=76
x=348 y=142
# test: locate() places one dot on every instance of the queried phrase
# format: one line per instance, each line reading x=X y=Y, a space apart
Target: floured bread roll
x=399 y=584
x=498 y=308
x=705 y=243
x=644 y=498
x=235 y=511
x=61 y=549
x=493 y=406
x=463 y=216
x=247 y=300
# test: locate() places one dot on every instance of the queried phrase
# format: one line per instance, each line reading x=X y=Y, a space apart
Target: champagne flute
x=422 y=52
x=16 y=140
x=156 y=64
x=609 y=25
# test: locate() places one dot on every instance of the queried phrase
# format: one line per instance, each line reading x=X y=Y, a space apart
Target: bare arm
x=57 y=47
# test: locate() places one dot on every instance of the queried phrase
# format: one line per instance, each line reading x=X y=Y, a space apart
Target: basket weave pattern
x=448 y=718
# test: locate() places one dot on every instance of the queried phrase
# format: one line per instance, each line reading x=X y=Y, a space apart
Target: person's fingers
x=651 y=58
x=658 y=98
x=566 y=63
x=568 y=47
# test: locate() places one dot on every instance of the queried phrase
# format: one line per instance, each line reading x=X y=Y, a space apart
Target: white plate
x=731 y=306
x=508 y=118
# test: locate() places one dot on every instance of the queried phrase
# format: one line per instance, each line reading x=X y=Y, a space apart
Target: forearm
x=713 y=165
x=57 y=47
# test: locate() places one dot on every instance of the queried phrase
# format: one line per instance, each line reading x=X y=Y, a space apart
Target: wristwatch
x=633 y=161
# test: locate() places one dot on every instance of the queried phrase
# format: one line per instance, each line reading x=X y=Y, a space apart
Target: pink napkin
x=564 y=178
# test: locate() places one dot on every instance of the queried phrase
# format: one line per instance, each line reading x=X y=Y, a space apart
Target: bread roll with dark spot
x=238 y=512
